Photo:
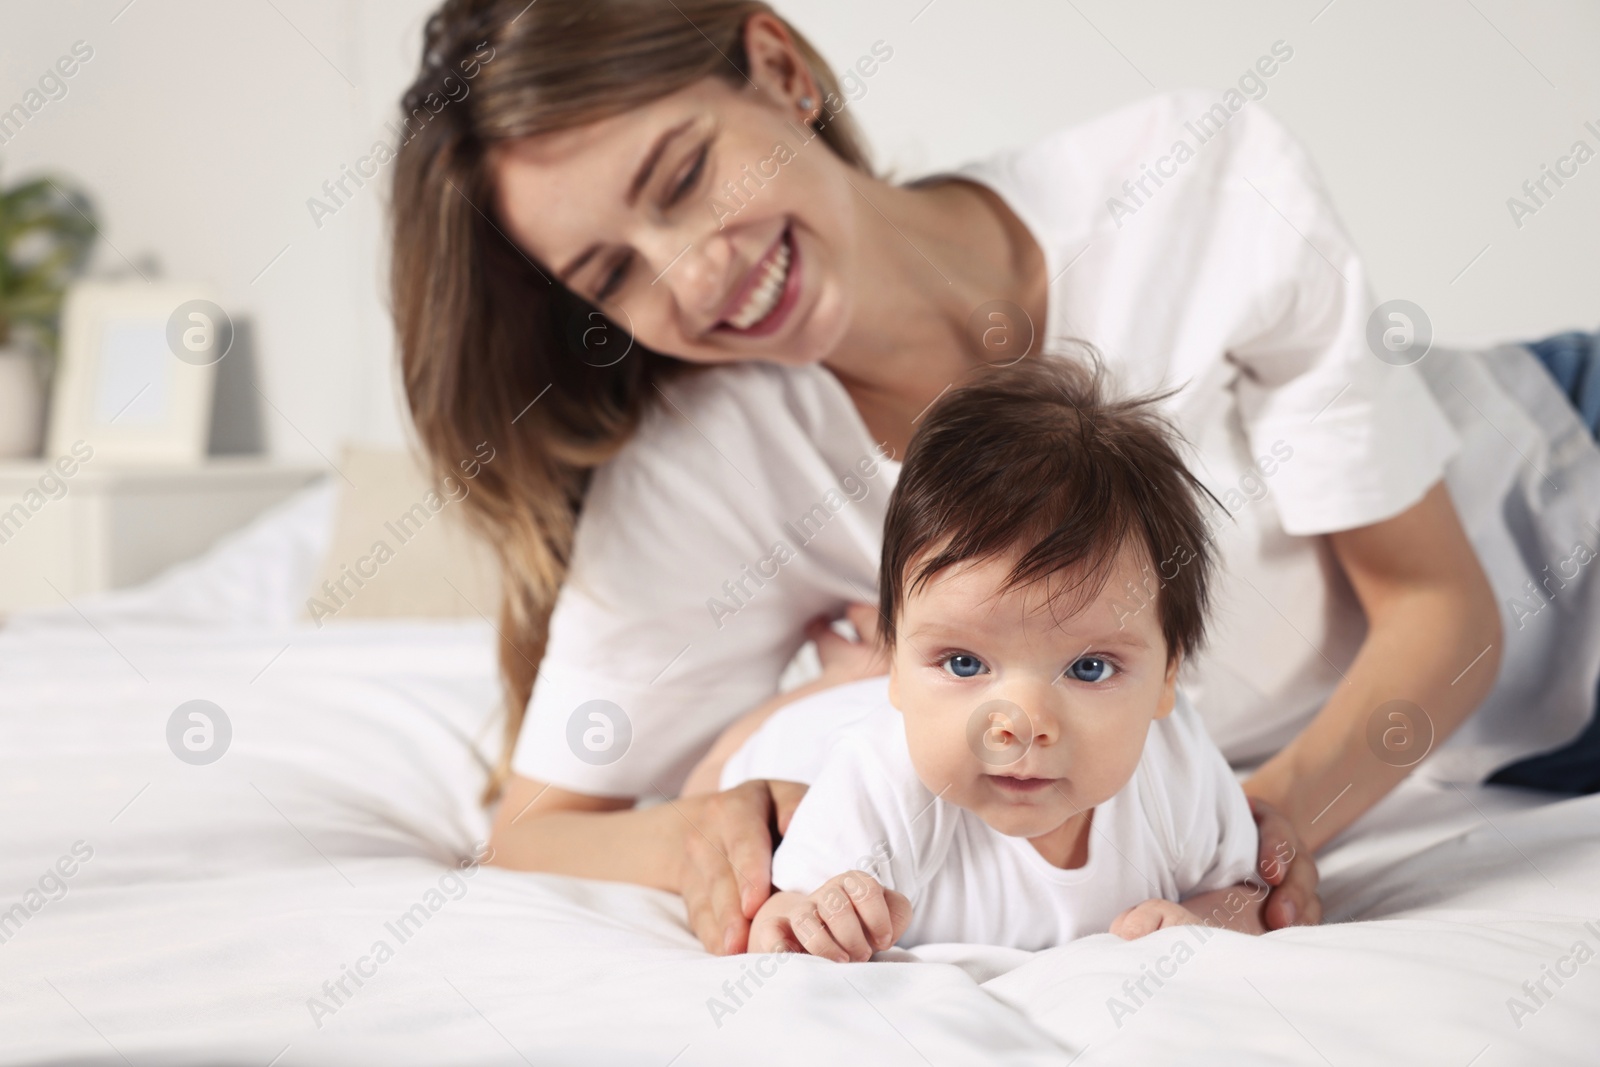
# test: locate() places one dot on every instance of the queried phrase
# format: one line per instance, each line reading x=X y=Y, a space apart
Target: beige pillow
x=401 y=545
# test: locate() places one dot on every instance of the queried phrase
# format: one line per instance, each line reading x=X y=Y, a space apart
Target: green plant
x=46 y=232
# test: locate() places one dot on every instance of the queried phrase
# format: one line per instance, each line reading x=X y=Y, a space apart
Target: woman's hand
x=1285 y=865
x=844 y=660
x=726 y=872
x=726 y=867
x=1433 y=641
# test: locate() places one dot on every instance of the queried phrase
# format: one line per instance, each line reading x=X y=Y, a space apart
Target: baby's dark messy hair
x=1040 y=459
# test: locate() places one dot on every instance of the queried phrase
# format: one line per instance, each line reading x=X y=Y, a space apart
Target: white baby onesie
x=1180 y=826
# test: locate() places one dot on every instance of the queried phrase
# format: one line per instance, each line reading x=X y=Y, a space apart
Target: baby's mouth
x=1021 y=786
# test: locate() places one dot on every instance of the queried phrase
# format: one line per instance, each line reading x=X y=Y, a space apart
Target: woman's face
x=713 y=224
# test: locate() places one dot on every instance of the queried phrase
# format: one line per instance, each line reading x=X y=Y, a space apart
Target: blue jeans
x=1573 y=359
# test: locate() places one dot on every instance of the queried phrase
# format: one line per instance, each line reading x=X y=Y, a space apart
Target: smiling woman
x=485 y=330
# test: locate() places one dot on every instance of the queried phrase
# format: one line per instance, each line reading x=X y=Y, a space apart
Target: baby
x=1028 y=773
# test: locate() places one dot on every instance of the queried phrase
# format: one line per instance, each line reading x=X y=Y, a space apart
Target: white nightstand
x=104 y=527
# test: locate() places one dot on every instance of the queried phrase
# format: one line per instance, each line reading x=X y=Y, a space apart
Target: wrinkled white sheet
x=220 y=898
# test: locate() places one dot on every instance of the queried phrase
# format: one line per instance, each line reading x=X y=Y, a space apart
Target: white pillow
x=255 y=576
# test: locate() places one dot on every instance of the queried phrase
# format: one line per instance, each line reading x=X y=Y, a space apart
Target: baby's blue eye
x=1091 y=669
x=963 y=666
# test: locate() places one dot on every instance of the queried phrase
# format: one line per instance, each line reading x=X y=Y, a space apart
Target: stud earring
x=807 y=103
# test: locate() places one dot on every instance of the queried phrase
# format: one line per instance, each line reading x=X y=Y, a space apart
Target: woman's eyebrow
x=641 y=178
x=657 y=150
x=572 y=268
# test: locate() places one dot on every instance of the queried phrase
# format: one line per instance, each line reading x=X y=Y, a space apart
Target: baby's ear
x=1169 y=688
x=894 y=687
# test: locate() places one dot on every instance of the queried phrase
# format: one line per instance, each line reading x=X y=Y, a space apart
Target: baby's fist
x=849 y=918
x=1151 y=916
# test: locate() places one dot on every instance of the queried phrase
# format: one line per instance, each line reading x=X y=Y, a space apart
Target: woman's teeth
x=766 y=295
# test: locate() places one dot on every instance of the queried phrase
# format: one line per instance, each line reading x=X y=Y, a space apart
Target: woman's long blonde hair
x=484 y=332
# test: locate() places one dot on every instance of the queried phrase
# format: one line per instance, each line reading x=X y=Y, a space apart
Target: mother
x=647 y=258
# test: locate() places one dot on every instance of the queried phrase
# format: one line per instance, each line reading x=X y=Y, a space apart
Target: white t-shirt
x=1180 y=826
x=752 y=501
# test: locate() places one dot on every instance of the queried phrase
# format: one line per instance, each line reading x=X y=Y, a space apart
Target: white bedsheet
x=221 y=898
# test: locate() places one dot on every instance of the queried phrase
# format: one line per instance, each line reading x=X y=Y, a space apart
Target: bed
x=229 y=912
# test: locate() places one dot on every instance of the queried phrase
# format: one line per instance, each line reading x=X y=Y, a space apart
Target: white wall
x=201 y=128
x=1423 y=117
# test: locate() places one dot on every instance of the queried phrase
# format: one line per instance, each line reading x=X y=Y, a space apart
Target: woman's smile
x=769 y=293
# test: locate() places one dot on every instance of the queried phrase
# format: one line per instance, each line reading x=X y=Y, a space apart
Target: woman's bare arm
x=1433 y=640
x=541 y=827
x=714 y=850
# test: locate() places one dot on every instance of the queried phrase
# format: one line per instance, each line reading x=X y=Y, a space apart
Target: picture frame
x=137 y=376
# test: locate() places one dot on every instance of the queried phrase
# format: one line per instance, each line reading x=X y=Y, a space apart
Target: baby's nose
x=1000 y=732
x=1038 y=717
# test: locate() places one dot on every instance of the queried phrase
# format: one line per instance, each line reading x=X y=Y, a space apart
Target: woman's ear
x=1169 y=688
x=776 y=66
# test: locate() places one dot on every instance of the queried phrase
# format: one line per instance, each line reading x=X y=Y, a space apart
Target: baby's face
x=1019 y=716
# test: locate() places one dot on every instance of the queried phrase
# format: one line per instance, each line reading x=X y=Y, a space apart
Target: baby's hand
x=1151 y=916
x=849 y=918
